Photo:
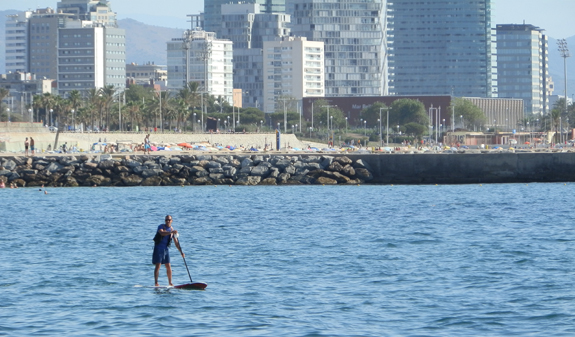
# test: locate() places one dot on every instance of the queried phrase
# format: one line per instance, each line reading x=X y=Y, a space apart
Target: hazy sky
x=555 y=16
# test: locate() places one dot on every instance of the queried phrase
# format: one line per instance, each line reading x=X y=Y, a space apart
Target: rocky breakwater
x=142 y=170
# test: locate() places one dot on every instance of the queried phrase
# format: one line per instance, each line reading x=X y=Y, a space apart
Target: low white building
x=293 y=69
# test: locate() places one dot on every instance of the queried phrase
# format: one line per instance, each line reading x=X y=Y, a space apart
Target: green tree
x=473 y=116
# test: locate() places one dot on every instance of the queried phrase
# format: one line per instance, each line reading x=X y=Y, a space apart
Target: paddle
x=179 y=244
x=191 y=285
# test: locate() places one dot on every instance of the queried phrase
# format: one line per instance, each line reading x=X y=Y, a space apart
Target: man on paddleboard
x=162 y=242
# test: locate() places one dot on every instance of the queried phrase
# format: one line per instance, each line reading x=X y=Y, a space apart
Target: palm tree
x=48 y=102
x=107 y=94
x=76 y=102
x=3 y=94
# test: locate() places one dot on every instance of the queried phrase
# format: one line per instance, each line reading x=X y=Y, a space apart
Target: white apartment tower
x=200 y=57
x=293 y=69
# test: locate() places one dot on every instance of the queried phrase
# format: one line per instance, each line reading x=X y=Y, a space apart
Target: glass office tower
x=440 y=47
x=522 y=66
x=213 y=11
x=353 y=33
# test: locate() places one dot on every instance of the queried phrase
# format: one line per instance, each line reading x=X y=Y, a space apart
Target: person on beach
x=147 y=146
x=162 y=241
x=32 y=145
x=26 y=145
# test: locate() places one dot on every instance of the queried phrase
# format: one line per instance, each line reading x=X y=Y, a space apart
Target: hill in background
x=147 y=43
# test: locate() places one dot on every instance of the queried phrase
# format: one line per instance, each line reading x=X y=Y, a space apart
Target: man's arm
x=177 y=242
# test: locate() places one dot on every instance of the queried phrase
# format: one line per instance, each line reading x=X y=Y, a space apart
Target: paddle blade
x=195 y=285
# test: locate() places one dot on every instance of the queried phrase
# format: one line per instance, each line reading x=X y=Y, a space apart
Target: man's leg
x=169 y=273
x=157 y=274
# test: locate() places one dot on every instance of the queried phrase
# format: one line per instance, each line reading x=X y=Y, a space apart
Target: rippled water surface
x=491 y=260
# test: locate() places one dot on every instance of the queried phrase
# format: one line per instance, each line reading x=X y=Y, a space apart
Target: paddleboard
x=195 y=285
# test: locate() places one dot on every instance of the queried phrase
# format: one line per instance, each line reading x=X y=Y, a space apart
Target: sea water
x=464 y=260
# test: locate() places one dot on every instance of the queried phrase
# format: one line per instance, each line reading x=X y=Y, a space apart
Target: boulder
x=216 y=176
x=97 y=180
x=204 y=157
x=70 y=182
x=175 y=160
x=224 y=181
x=335 y=166
x=203 y=181
x=348 y=170
x=268 y=181
x=251 y=180
x=325 y=181
x=150 y=173
x=360 y=164
x=343 y=160
x=106 y=164
x=274 y=172
x=152 y=181
x=260 y=170
x=363 y=174
x=290 y=169
x=247 y=163
x=283 y=178
x=327 y=160
x=9 y=165
x=132 y=180
x=229 y=172
x=283 y=164
x=216 y=170
x=53 y=167
x=19 y=182
x=203 y=173
x=138 y=169
x=213 y=164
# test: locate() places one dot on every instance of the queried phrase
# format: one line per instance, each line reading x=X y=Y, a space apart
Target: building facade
x=293 y=69
x=17 y=42
x=79 y=45
x=354 y=36
x=200 y=57
x=248 y=28
x=440 y=47
x=523 y=66
x=213 y=11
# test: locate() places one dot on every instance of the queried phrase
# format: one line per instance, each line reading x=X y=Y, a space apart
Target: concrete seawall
x=470 y=168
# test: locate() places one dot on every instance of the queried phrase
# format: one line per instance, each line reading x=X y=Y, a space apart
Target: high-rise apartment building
x=90 y=56
x=97 y=11
x=440 y=47
x=213 y=11
x=79 y=45
x=354 y=36
x=16 y=42
x=248 y=28
x=200 y=57
x=293 y=69
x=522 y=66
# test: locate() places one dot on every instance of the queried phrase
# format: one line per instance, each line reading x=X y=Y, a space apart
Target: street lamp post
x=50 y=121
x=386 y=126
x=261 y=125
x=365 y=128
x=8 y=110
x=73 y=120
x=31 y=113
x=193 y=123
x=346 y=125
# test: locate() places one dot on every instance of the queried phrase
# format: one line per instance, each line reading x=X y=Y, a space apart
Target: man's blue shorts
x=161 y=254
